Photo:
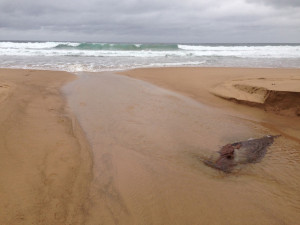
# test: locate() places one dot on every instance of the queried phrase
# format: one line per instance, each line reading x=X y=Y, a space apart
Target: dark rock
x=249 y=151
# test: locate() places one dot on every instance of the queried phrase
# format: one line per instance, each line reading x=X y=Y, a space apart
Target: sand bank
x=44 y=159
x=270 y=91
x=281 y=96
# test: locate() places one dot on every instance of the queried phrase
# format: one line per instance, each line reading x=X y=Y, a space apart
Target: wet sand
x=274 y=94
x=45 y=165
x=136 y=155
x=148 y=145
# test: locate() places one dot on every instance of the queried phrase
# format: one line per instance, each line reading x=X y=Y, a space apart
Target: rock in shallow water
x=249 y=151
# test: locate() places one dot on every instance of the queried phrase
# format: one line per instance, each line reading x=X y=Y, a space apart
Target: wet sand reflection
x=148 y=145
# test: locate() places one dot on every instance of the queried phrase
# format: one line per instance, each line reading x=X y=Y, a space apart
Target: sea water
x=96 y=57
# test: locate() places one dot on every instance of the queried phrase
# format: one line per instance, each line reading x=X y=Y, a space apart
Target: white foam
x=48 y=49
x=33 y=45
x=268 y=51
x=45 y=55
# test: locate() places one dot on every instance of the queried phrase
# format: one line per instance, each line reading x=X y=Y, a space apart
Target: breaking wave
x=77 y=56
x=119 y=47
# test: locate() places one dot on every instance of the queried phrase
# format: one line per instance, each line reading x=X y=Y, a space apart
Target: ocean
x=95 y=57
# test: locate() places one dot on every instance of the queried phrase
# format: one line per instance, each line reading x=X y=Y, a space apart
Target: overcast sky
x=189 y=21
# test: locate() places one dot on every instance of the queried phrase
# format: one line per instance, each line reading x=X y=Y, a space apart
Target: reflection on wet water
x=148 y=146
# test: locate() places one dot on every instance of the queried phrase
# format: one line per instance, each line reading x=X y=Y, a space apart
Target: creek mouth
x=147 y=142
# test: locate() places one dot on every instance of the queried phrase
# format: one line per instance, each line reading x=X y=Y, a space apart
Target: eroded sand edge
x=280 y=96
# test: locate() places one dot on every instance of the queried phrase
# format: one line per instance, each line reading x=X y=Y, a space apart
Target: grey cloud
x=278 y=3
x=145 y=20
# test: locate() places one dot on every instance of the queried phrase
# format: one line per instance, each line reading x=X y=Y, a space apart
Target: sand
x=148 y=147
x=281 y=95
x=45 y=166
x=274 y=94
x=115 y=149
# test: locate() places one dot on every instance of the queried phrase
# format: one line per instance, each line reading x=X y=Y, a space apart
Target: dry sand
x=44 y=160
x=274 y=93
x=278 y=95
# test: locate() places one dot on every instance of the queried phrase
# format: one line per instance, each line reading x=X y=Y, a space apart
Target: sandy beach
x=274 y=94
x=45 y=165
x=112 y=149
